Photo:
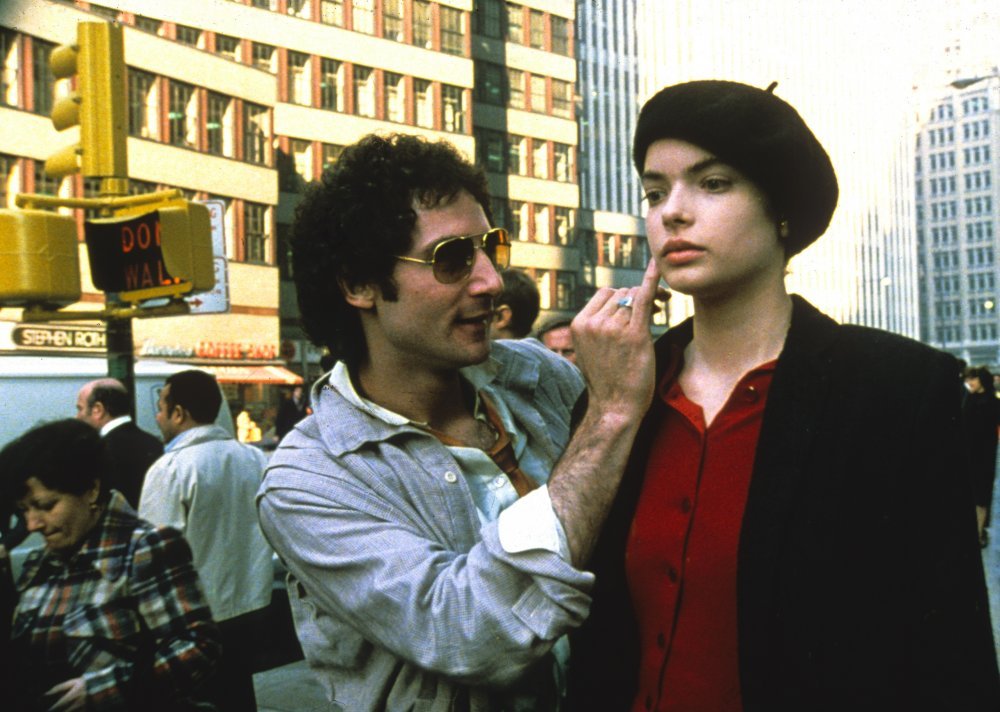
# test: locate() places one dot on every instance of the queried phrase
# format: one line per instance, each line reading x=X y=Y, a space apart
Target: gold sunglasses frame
x=482 y=237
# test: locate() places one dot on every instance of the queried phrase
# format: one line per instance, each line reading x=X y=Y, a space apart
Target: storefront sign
x=46 y=337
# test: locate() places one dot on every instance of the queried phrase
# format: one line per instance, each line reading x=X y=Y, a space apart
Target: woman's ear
x=361 y=296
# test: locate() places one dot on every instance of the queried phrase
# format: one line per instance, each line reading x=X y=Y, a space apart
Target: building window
x=424 y=97
x=542 y=232
x=303 y=156
x=423 y=24
x=331 y=12
x=393 y=94
x=363 y=16
x=490 y=150
x=537 y=85
x=44 y=183
x=560 y=35
x=562 y=99
x=188 y=35
x=489 y=83
x=452 y=31
x=183 y=115
x=219 y=126
x=331 y=85
x=300 y=8
x=392 y=20
x=44 y=83
x=517 y=155
x=498 y=206
x=227 y=46
x=271 y=5
x=515 y=88
x=515 y=23
x=565 y=290
x=143 y=104
x=299 y=79
x=519 y=220
x=264 y=57
x=564 y=225
x=563 y=159
x=9 y=68
x=256 y=133
x=487 y=18
x=364 y=91
x=536 y=29
x=256 y=232
x=540 y=159
x=8 y=180
x=148 y=24
x=331 y=154
x=453 y=106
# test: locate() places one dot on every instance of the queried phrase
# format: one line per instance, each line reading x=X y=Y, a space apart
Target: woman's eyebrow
x=695 y=168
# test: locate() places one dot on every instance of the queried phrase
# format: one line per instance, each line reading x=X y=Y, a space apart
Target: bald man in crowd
x=104 y=404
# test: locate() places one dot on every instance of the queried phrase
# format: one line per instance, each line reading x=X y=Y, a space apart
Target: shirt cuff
x=531 y=524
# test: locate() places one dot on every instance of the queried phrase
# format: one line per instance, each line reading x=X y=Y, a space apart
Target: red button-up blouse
x=682 y=548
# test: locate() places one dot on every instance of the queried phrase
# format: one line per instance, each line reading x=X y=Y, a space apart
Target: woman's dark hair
x=64 y=455
x=350 y=226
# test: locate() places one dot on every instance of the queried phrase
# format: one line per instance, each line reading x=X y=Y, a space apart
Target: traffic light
x=38 y=258
x=144 y=254
x=98 y=105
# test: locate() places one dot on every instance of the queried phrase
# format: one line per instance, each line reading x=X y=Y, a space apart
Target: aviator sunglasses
x=452 y=258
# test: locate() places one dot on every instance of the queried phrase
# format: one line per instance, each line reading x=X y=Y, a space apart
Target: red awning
x=276 y=375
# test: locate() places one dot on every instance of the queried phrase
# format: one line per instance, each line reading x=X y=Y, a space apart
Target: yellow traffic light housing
x=39 y=263
x=99 y=104
x=186 y=241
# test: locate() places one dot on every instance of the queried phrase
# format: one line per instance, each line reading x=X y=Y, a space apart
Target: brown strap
x=503 y=455
x=502 y=452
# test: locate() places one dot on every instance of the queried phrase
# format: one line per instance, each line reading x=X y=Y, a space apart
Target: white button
x=450 y=477
x=499 y=481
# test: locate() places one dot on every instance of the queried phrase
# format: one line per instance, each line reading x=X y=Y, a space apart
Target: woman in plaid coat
x=110 y=613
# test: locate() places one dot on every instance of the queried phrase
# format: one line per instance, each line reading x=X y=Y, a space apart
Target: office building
x=612 y=234
x=958 y=199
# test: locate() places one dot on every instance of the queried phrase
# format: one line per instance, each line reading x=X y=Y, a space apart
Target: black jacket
x=131 y=451
x=859 y=584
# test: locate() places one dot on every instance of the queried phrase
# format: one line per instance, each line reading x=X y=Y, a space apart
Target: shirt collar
x=339 y=379
x=114 y=423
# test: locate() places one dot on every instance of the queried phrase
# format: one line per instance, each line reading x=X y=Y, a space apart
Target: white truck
x=36 y=389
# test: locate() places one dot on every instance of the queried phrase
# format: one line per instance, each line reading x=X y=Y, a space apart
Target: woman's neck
x=735 y=335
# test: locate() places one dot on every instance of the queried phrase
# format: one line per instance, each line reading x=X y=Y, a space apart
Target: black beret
x=756 y=133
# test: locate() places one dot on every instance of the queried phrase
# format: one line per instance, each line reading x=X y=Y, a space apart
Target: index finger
x=646 y=293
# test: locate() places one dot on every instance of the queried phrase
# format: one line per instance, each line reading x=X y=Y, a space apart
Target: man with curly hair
x=435 y=512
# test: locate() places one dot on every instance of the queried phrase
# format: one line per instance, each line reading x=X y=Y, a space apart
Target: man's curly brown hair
x=350 y=226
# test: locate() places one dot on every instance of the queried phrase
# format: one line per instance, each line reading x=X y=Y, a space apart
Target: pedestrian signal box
x=161 y=253
x=39 y=263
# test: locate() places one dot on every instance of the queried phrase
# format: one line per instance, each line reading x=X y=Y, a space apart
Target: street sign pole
x=121 y=356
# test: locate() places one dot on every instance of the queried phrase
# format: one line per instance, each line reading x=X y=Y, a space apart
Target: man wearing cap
x=792 y=532
x=434 y=512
